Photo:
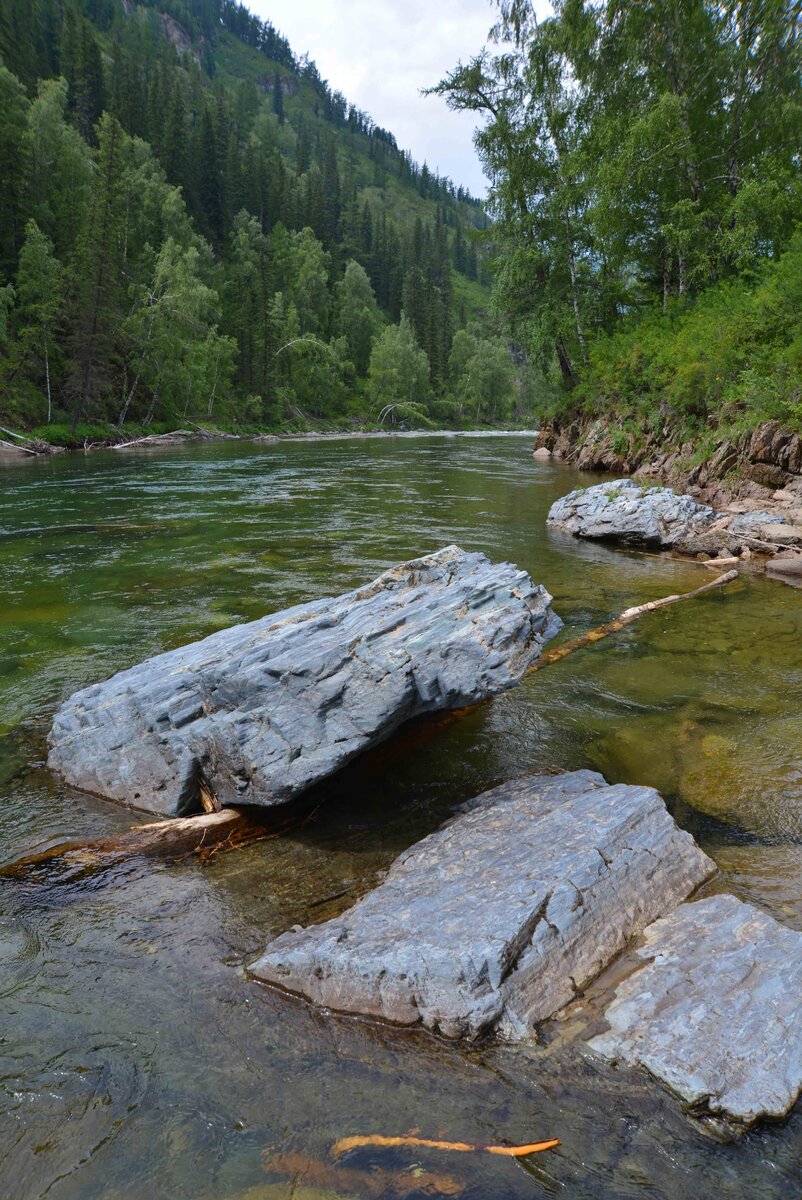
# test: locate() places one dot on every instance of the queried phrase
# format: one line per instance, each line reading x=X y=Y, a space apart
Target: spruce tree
x=97 y=291
x=14 y=158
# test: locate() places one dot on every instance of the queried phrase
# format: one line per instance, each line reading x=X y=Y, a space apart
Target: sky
x=380 y=53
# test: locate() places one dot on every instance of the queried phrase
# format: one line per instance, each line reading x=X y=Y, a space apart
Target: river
x=136 y=1058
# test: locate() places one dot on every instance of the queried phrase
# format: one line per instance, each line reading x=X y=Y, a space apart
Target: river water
x=137 y=1060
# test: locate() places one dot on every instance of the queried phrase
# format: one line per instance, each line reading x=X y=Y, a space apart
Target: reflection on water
x=136 y=1059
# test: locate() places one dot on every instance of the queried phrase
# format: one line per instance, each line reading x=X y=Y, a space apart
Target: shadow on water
x=137 y=1059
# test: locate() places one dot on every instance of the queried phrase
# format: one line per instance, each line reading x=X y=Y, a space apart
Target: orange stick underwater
x=352 y=1143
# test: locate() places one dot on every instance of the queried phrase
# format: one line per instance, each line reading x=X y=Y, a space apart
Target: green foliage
x=645 y=154
x=483 y=378
x=40 y=308
x=7 y=296
x=14 y=107
x=357 y=314
x=733 y=358
x=399 y=374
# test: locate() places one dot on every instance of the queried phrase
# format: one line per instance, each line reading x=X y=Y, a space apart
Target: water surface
x=136 y=1059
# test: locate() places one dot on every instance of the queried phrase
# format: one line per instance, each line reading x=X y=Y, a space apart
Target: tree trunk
x=47 y=380
x=580 y=333
x=666 y=278
x=127 y=404
x=154 y=400
x=566 y=368
x=170 y=840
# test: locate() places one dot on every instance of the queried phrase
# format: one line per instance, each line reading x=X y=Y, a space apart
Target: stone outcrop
x=624 y=512
x=631 y=514
x=497 y=920
x=179 y=37
x=747 y=467
x=716 y=1011
x=775 y=455
x=257 y=713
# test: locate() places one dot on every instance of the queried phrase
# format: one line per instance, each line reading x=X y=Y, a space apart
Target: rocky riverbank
x=748 y=469
x=27 y=446
x=631 y=514
x=746 y=500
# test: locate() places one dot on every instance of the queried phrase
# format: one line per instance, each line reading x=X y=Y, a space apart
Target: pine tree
x=208 y=186
x=176 y=150
x=331 y=189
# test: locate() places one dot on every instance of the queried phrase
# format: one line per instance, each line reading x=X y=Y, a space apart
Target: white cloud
x=380 y=53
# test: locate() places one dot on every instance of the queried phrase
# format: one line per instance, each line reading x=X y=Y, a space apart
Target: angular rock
x=624 y=512
x=772 y=444
x=716 y=1012
x=789 y=570
x=259 y=712
x=749 y=524
x=781 y=533
x=497 y=920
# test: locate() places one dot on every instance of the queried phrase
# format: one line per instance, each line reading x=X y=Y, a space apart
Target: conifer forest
x=194 y=227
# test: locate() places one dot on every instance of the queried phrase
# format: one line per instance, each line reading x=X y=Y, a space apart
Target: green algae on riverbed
x=136 y=1060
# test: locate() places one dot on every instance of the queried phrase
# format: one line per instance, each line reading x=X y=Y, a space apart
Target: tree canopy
x=641 y=152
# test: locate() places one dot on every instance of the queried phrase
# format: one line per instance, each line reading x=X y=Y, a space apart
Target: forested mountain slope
x=646 y=157
x=193 y=225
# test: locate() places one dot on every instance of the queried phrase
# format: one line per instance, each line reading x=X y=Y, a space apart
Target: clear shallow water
x=136 y=1060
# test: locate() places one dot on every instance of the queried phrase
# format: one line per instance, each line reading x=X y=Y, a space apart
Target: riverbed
x=136 y=1058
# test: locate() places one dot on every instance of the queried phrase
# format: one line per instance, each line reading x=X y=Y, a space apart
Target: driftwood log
x=626 y=618
x=201 y=836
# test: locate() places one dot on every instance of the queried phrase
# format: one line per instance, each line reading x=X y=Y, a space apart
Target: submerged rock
x=257 y=713
x=788 y=569
x=625 y=512
x=498 y=919
x=716 y=1011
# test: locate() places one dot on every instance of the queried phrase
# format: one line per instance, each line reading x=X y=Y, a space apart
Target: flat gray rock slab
x=625 y=512
x=749 y=524
x=497 y=920
x=716 y=1012
x=262 y=711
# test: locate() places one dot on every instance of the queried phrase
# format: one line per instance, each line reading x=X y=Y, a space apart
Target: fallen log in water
x=626 y=618
x=202 y=836
x=173 y=839
x=258 y=713
x=310 y=1176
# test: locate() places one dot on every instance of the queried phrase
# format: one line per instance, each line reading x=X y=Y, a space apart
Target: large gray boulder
x=625 y=512
x=498 y=919
x=259 y=712
x=716 y=1011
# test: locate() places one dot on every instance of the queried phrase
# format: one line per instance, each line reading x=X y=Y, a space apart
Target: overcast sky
x=380 y=53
